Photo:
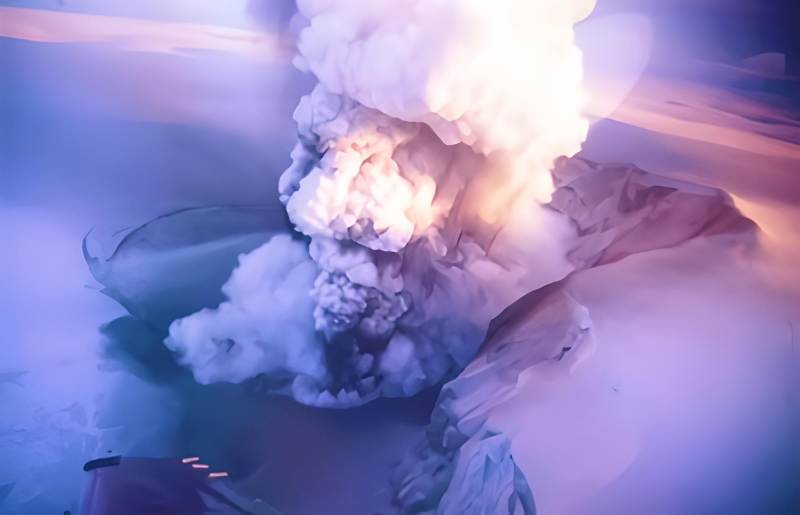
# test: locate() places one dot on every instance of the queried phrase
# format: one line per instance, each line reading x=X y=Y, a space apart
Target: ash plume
x=418 y=183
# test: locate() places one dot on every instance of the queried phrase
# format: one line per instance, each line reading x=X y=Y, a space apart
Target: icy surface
x=713 y=426
x=465 y=465
x=621 y=210
x=543 y=339
x=643 y=428
x=175 y=264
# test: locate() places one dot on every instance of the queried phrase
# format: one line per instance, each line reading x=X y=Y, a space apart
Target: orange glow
x=139 y=35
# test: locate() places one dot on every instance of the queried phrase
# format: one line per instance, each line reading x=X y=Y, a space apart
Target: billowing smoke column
x=419 y=176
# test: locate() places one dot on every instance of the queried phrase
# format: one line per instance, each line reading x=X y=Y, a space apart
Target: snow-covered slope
x=657 y=383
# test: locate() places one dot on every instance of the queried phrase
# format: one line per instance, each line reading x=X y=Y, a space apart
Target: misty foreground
x=597 y=393
x=653 y=370
x=650 y=367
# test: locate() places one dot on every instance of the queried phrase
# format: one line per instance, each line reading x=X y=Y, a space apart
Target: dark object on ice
x=162 y=486
x=102 y=462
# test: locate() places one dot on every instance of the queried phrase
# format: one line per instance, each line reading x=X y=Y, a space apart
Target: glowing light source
x=582 y=9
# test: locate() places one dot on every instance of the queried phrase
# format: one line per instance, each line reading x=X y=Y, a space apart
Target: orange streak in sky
x=138 y=34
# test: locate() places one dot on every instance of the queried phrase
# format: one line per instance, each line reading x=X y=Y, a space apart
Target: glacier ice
x=618 y=211
x=176 y=264
x=464 y=464
x=406 y=259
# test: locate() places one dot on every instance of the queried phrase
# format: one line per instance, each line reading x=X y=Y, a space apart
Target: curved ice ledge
x=175 y=264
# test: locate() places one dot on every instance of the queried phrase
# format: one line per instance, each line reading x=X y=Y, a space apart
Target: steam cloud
x=419 y=175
